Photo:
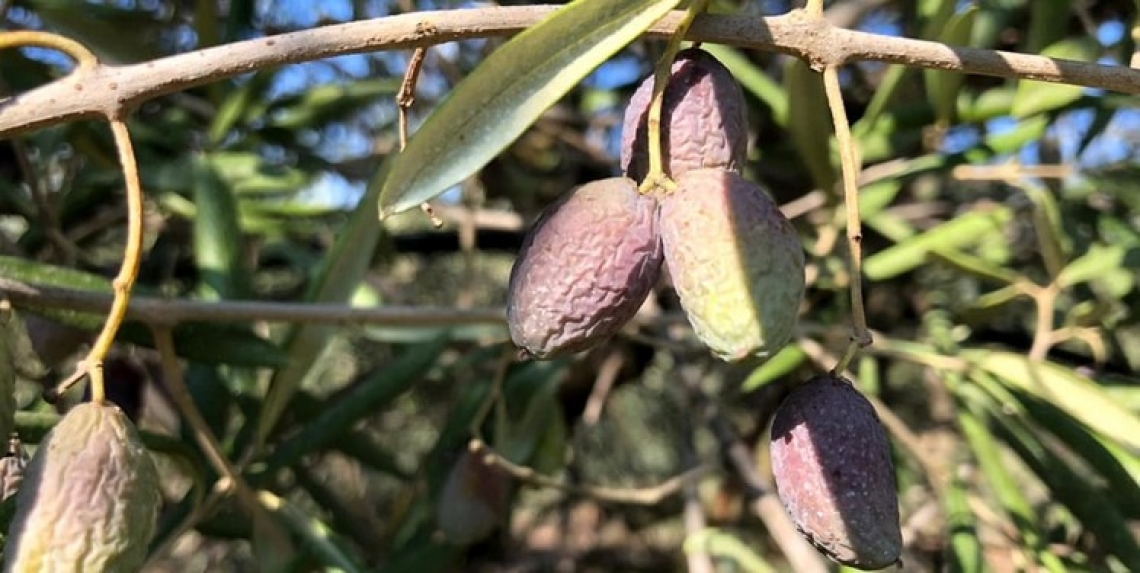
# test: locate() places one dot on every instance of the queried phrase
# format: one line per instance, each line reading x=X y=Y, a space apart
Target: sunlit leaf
x=960 y=232
x=1084 y=499
x=1078 y=396
x=1101 y=455
x=1098 y=262
x=1034 y=97
x=509 y=90
x=975 y=266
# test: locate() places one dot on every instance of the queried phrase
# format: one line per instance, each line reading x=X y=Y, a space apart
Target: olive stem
x=405 y=97
x=656 y=178
x=861 y=336
x=651 y=495
x=814 y=8
x=92 y=365
x=83 y=57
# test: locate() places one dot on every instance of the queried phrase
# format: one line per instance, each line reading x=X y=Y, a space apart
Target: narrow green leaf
x=985 y=450
x=784 y=362
x=550 y=452
x=524 y=434
x=809 y=124
x=509 y=90
x=965 y=547
x=1027 y=131
x=1048 y=23
x=340 y=272
x=961 y=232
x=1099 y=261
x=1123 y=486
x=214 y=343
x=876 y=197
x=217 y=236
x=1078 y=396
x=888 y=88
x=365 y=397
x=27 y=271
x=1085 y=500
x=325 y=543
x=942 y=86
x=1034 y=97
x=247 y=173
x=975 y=266
x=1051 y=236
x=234 y=107
x=362 y=448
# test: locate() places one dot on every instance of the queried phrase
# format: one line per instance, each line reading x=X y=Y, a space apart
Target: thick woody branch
x=104 y=90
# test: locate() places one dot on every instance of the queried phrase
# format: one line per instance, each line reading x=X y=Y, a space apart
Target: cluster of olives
x=736 y=262
x=593 y=256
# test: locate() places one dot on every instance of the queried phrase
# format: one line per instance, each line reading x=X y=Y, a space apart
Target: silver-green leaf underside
x=508 y=91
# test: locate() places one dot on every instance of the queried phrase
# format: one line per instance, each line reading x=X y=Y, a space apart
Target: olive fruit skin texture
x=89 y=498
x=831 y=461
x=584 y=269
x=704 y=119
x=736 y=262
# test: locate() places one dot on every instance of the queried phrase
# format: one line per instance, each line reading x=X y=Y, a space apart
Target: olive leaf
x=509 y=91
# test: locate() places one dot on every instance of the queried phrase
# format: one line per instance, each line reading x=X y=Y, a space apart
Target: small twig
x=631 y=496
x=493 y=396
x=1092 y=337
x=180 y=393
x=861 y=336
x=1010 y=172
x=698 y=559
x=407 y=94
x=1045 y=300
x=404 y=100
x=607 y=375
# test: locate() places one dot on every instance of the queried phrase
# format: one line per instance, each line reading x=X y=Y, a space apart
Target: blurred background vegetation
x=1001 y=279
